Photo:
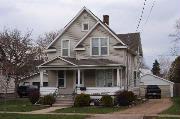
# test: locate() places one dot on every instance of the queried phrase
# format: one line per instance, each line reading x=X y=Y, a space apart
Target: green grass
x=90 y=109
x=175 y=108
x=19 y=105
x=25 y=116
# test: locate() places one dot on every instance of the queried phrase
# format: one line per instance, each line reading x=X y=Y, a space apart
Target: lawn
x=90 y=109
x=19 y=105
x=175 y=108
x=25 y=116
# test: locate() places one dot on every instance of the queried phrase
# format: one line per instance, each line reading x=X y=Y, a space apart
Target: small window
x=65 y=48
x=61 y=79
x=85 y=27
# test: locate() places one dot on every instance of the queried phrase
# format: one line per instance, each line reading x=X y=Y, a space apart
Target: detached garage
x=150 y=79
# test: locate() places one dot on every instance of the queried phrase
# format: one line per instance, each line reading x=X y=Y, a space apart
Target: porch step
x=62 y=105
x=64 y=102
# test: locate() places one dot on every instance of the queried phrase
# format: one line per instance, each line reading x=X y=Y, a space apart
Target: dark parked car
x=153 y=91
x=24 y=91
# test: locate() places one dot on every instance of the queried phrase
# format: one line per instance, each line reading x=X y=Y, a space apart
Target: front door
x=81 y=79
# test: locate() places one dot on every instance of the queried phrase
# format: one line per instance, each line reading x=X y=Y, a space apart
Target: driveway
x=152 y=107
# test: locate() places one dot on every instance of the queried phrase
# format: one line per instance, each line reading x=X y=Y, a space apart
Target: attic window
x=85 y=26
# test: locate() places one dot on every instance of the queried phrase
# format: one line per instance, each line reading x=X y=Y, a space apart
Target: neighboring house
x=3 y=85
x=144 y=71
x=166 y=86
x=34 y=79
x=88 y=53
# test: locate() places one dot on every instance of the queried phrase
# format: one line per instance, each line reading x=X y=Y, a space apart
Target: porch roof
x=61 y=62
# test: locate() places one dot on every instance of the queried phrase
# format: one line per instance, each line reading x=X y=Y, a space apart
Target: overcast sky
x=50 y=15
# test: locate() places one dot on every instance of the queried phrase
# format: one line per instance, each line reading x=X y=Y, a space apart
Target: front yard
x=19 y=105
x=90 y=110
x=175 y=108
x=28 y=116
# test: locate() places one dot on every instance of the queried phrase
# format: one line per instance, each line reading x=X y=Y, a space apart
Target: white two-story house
x=89 y=54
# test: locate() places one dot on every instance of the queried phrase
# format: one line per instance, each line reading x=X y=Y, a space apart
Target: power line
x=140 y=18
x=149 y=14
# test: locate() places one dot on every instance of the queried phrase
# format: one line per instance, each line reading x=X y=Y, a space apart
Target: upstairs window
x=65 y=48
x=85 y=26
x=99 y=46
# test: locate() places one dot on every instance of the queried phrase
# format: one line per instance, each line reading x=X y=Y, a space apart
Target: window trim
x=82 y=26
x=99 y=47
x=64 y=48
x=64 y=80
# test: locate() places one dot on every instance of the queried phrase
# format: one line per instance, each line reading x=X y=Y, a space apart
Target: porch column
x=118 y=78
x=121 y=77
x=41 y=78
x=79 y=77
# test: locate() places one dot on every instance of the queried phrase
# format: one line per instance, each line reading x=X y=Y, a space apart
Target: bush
x=34 y=96
x=48 y=100
x=107 y=101
x=125 y=98
x=82 y=100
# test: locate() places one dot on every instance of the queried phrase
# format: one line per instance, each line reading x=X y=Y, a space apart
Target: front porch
x=90 y=76
x=90 y=81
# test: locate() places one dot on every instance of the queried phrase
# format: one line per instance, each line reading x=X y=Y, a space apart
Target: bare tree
x=175 y=50
x=165 y=64
x=16 y=54
x=43 y=41
x=143 y=64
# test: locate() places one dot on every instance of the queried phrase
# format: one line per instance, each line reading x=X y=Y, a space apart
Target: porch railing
x=97 y=92
x=48 y=90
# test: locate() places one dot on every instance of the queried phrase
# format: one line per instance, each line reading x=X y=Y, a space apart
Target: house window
x=85 y=26
x=135 y=75
x=65 y=48
x=104 y=78
x=61 y=79
x=99 y=46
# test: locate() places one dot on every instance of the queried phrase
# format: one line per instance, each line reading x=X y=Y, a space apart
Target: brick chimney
x=106 y=19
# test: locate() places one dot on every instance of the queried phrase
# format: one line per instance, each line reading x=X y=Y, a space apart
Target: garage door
x=165 y=90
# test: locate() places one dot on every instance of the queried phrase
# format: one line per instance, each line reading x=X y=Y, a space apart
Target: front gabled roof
x=98 y=22
x=106 y=28
x=69 y=24
x=158 y=78
x=56 y=58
